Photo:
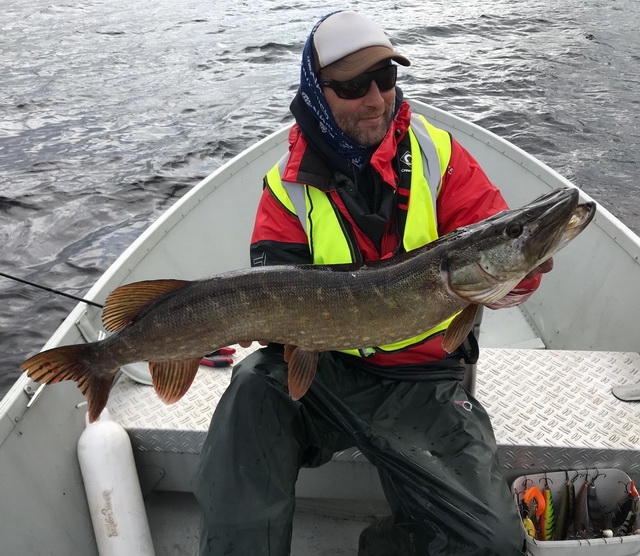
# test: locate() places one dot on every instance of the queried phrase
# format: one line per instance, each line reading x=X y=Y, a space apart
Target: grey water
x=111 y=110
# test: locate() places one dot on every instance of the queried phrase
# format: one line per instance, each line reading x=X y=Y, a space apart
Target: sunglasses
x=358 y=87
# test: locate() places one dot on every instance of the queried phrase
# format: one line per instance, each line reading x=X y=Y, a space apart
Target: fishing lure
x=523 y=508
x=635 y=530
x=548 y=518
x=627 y=525
x=627 y=506
x=529 y=527
x=566 y=509
x=534 y=498
x=629 y=513
x=594 y=507
x=581 y=515
x=535 y=494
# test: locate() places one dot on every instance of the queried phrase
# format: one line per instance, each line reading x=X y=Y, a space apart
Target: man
x=363 y=180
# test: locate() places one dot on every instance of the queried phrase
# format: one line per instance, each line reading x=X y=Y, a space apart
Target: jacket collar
x=313 y=162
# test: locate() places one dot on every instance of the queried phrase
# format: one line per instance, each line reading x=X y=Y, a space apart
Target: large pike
x=311 y=308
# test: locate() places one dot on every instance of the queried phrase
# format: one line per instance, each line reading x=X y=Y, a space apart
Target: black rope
x=51 y=290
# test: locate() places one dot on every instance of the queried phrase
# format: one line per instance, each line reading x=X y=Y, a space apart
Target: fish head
x=488 y=259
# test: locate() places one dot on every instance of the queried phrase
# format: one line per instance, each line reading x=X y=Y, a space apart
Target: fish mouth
x=554 y=219
x=510 y=244
x=580 y=218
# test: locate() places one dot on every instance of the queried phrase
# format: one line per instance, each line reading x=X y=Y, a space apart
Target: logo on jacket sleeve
x=259 y=260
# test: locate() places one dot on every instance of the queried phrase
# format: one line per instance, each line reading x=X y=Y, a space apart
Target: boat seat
x=550 y=409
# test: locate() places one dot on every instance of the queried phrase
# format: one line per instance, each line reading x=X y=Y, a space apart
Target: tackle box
x=612 y=488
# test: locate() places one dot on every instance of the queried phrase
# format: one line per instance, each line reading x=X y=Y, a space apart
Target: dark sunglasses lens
x=358 y=87
x=355 y=88
x=386 y=78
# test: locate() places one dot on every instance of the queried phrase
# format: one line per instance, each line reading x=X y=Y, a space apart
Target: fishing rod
x=51 y=290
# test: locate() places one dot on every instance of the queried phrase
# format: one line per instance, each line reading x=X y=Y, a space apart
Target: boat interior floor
x=174 y=520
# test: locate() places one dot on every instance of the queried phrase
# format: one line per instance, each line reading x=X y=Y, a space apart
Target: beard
x=355 y=126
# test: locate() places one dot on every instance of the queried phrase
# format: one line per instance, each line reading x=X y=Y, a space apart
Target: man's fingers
x=542 y=268
x=248 y=344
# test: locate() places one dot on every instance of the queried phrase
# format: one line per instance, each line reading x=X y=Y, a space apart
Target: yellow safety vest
x=328 y=242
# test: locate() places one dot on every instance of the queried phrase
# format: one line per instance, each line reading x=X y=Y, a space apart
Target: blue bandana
x=313 y=97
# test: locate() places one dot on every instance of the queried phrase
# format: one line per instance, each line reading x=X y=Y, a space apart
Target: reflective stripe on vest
x=426 y=178
x=328 y=242
x=330 y=245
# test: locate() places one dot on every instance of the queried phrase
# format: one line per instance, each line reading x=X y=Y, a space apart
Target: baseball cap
x=346 y=44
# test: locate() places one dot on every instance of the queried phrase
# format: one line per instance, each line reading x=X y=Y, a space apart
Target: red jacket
x=466 y=196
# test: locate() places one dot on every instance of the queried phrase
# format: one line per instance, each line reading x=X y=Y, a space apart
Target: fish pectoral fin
x=124 y=303
x=172 y=379
x=303 y=364
x=460 y=327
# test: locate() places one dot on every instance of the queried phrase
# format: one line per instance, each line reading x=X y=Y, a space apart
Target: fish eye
x=514 y=230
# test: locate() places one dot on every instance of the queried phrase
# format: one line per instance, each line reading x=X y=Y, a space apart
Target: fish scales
x=337 y=309
x=340 y=309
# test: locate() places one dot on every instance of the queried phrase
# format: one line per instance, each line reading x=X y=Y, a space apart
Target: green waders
x=431 y=442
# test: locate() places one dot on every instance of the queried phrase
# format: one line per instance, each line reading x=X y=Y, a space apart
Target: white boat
x=546 y=374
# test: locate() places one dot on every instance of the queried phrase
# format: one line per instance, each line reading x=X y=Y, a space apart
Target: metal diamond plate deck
x=550 y=409
x=555 y=409
x=176 y=428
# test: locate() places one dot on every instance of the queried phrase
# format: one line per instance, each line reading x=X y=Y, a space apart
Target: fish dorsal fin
x=124 y=303
x=459 y=328
x=172 y=379
x=303 y=364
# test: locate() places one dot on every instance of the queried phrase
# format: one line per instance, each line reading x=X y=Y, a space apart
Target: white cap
x=347 y=44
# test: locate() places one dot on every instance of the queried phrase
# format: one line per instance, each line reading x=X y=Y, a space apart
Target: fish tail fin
x=71 y=363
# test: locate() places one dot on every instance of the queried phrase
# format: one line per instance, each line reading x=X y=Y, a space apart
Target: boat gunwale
x=604 y=218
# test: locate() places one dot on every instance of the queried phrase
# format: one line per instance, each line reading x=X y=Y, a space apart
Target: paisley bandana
x=311 y=93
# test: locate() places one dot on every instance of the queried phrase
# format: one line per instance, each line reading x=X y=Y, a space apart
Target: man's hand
x=543 y=268
x=248 y=344
x=516 y=297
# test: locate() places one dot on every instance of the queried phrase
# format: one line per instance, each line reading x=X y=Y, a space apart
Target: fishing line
x=51 y=290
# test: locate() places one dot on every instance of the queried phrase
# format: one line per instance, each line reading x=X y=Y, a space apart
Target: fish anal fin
x=69 y=363
x=303 y=364
x=459 y=328
x=124 y=303
x=172 y=379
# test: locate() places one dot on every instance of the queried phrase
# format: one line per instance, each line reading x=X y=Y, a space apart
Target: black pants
x=431 y=442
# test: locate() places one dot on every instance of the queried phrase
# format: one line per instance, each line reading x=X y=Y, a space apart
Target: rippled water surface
x=111 y=110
